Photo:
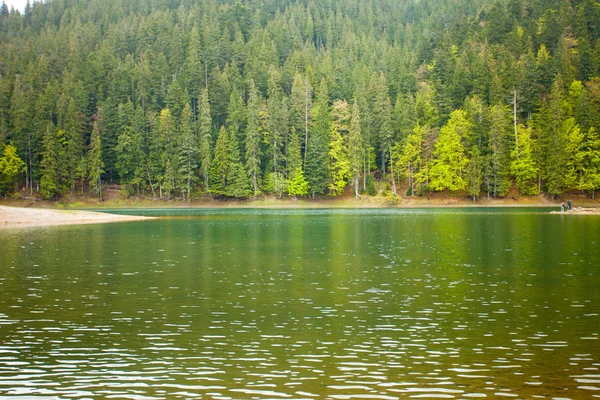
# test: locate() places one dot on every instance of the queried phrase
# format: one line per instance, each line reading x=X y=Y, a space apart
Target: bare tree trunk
x=356 y=184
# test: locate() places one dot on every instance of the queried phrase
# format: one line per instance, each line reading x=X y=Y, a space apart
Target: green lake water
x=275 y=304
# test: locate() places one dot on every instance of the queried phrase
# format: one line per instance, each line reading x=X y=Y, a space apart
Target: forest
x=300 y=98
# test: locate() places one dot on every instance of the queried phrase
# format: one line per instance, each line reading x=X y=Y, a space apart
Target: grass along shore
x=116 y=200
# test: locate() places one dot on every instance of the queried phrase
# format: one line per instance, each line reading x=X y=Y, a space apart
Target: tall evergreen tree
x=220 y=167
x=95 y=163
x=49 y=184
x=297 y=184
x=238 y=182
x=316 y=170
x=205 y=138
x=355 y=148
x=253 y=137
x=187 y=153
x=339 y=165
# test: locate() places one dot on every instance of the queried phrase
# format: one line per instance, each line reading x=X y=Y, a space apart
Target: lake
x=338 y=304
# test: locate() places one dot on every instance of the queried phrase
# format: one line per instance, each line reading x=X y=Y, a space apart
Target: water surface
x=338 y=304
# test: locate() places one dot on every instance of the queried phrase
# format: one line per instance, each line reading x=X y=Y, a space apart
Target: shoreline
x=19 y=217
x=437 y=201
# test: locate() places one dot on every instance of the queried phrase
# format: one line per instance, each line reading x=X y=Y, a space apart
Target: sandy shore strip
x=579 y=211
x=12 y=217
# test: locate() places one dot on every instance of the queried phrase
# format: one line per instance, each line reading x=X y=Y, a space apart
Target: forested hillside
x=180 y=98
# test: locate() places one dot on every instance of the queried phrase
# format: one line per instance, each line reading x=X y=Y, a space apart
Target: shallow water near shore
x=339 y=304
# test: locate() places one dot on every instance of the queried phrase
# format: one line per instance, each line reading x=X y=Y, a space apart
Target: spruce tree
x=236 y=116
x=253 y=137
x=355 y=148
x=316 y=171
x=339 y=165
x=95 y=163
x=276 y=125
x=220 y=167
x=205 y=138
x=523 y=166
x=238 y=183
x=297 y=184
x=49 y=185
x=187 y=153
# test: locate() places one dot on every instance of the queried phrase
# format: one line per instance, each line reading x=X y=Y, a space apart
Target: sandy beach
x=579 y=211
x=11 y=217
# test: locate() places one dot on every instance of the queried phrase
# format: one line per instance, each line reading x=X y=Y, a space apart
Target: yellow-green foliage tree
x=450 y=162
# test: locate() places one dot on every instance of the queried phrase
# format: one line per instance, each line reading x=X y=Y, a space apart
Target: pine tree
x=523 y=166
x=205 y=138
x=499 y=138
x=297 y=184
x=187 y=153
x=449 y=165
x=410 y=158
x=253 y=137
x=301 y=109
x=236 y=116
x=339 y=165
x=95 y=163
x=276 y=125
x=316 y=170
x=220 y=167
x=71 y=126
x=49 y=185
x=355 y=148
x=383 y=116
x=168 y=138
x=474 y=174
x=590 y=177
x=238 y=183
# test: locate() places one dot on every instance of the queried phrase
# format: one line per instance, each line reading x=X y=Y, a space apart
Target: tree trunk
x=392 y=173
x=364 y=173
x=356 y=184
x=515 y=122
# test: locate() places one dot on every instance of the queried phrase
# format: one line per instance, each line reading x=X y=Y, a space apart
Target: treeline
x=300 y=98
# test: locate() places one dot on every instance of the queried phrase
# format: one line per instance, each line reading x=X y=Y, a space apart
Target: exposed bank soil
x=11 y=217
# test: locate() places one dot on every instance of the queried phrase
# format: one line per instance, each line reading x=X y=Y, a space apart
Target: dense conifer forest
x=232 y=99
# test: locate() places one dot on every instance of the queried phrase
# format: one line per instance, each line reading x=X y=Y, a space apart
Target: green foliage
x=95 y=163
x=317 y=172
x=355 y=147
x=220 y=166
x=10 y=167
x=253 y=136
x=252 y=67
x=238 y=183
x=523 y=165
x=49 y=184
x=297 y=184
x=339 y=165
x=205 y=138
x=450 y=162
x=187 y=153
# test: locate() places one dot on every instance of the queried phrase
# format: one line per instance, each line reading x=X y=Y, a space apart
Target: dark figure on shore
x=562 y=207
x=570 y=204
